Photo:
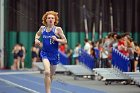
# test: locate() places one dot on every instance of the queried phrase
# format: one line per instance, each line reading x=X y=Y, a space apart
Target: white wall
x=2 y=32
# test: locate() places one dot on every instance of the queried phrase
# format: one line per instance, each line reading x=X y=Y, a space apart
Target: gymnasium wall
x=22 y=18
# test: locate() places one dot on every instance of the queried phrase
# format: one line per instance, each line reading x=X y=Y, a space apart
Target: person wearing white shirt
x=87 y=46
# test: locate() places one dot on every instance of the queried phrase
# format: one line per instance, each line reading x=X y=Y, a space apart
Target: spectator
x=62 y=48
x=104 y=58
x=131 y=50
x=122 y=45
x=87 y=46
x=35 y=53
x=21 y=56
x=76 y=53
x=68 y=52
x=15 y=51
x=136 y=57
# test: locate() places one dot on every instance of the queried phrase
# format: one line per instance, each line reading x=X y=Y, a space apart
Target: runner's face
x=50 y=19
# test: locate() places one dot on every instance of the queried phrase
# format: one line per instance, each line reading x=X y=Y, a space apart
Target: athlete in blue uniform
x=52 y=35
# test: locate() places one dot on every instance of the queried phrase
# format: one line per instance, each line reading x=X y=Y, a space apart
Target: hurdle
x=79 y=71
x=109 y=75
x=135 y=77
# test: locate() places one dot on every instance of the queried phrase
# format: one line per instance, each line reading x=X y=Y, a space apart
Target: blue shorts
x=52 y=57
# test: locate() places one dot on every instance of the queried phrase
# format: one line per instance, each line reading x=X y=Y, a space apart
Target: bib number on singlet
x=51 y=41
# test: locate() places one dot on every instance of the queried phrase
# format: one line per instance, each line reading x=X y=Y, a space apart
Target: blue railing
x=64 y=58
x=97 y=53
x=86 y=59
x=120 y=61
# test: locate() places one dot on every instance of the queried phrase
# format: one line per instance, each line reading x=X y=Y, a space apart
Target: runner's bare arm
x=62 y=38
x=37 y=36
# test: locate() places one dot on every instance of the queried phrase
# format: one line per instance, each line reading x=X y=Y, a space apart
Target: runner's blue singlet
x=50 y=47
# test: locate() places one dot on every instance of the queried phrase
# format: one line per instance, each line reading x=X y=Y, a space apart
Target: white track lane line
x=27 y=80
x=19 y=86
x=26 y=72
